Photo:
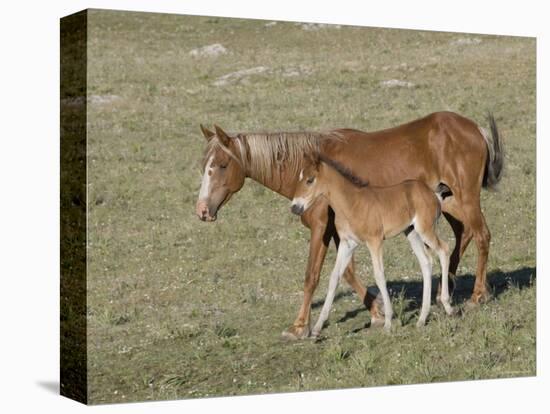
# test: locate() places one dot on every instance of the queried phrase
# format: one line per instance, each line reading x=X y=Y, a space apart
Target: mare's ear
x=222 y=136
x=206 y=132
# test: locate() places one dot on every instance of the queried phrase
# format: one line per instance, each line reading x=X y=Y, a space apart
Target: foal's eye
x=223 y=166
x=310 y=180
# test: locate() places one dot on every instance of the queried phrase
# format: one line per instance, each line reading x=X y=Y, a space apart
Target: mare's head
x=223 y=173
x=309 y=186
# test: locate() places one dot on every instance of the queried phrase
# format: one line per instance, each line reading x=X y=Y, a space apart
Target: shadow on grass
x=499 y=282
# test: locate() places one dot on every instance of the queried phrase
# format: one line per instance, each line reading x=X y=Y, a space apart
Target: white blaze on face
x=301 y=175
x=205 y=185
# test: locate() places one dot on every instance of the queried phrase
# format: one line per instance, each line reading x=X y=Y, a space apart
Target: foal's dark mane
x=345 y=172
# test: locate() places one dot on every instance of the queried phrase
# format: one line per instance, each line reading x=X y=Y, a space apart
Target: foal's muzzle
x=297 y=209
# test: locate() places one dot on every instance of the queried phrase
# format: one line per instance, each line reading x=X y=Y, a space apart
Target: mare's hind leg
x=345 y=253
x=375 y=248
x=452 y=210
x=463 y=236
x=468 y=212
x=482 y=237
x=426 y=266
x=466 y=209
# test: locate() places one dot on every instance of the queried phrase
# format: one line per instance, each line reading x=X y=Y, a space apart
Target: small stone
x=396 y=83
x=213 y=50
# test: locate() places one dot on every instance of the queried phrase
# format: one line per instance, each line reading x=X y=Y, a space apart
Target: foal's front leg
x=345 y=253
x=375 y=249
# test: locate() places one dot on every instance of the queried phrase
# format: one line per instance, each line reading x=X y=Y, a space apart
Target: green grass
x=178 y=308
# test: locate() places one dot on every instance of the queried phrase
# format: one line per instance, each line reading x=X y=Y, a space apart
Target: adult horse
x=441 y=148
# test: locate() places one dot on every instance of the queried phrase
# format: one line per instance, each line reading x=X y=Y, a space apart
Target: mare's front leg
x=318 y=244
x=343 y=258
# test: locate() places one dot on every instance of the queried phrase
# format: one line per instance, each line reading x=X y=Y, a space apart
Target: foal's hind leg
x=442 y=250
x=426 y=266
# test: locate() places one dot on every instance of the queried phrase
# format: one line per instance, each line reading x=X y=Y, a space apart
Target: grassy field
x=178 y=308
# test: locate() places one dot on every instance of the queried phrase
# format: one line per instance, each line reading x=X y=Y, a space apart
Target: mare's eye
x=223 y=166
x=310 y=180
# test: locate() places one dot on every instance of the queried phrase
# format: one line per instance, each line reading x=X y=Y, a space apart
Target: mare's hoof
x=476 y=300
x=295 y=333
x=482 y=297
x=471 y=305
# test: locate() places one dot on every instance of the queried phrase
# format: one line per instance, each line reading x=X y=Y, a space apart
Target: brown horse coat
x=443 y=147
x=369 y=215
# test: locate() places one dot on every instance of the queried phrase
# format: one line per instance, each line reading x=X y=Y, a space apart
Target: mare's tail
x=495 y=155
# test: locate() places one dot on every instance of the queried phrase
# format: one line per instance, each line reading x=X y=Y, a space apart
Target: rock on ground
x=209 y=51
x=318 y=26
x=240 y=75
x=466 y=41
x=396 y=83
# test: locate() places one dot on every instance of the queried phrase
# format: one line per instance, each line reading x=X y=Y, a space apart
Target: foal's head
x=309 y=187
x=223 y=173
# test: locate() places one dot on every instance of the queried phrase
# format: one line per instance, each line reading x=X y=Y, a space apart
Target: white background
x=29 y=206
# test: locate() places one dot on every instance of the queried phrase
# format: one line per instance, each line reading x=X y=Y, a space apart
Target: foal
x=369 y=215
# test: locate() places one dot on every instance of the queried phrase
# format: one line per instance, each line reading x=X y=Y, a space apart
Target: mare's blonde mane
x=261 y=155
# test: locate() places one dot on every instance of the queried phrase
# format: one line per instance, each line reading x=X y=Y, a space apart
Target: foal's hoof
x=377 y=322
x=438 y=300
x=315 y=334
x=295 y=333
x=420 y=323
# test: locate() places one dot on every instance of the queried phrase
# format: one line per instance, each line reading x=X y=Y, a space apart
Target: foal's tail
x=495 y=155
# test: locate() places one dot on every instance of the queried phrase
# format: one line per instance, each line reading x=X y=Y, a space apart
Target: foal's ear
x=222 y=136
x=313 y=158
x=317 y=160
x=206 y=132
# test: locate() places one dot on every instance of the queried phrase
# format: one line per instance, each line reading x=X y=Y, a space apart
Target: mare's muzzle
x=203 y=211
